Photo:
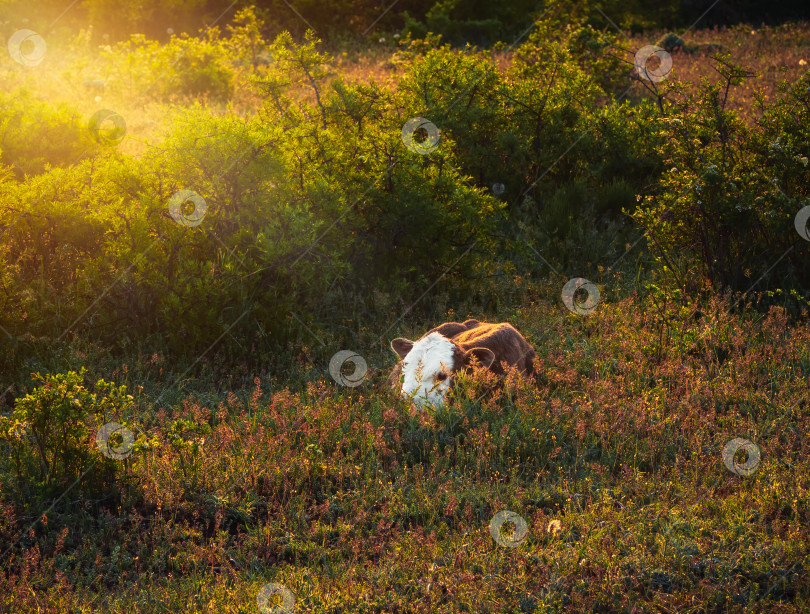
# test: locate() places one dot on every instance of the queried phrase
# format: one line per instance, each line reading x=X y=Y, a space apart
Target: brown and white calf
x=429 y=365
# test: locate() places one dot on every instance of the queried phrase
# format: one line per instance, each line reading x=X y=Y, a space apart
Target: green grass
x=358 y=504
x=354 y=502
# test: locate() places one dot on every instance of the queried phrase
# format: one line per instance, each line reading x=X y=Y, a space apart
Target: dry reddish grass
x=773 y=55
x=357 y=503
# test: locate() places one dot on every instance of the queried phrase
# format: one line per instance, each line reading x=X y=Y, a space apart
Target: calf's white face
x=426 y=368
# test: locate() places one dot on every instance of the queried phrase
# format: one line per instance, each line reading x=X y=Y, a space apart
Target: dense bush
x=297 y=197
x=52 y=431
x=97 y=246
x=315 y=209
x=541 y=137
x=732 y=193
x=185 y=67
x=477 y=22
x=35 y=135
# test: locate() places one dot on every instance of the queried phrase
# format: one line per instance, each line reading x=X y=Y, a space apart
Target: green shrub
x=315 y=207
x=733 y=191
x=471 y=22
x=185 y=67
x=187 y=438
x=304 y=204
x=35 y=135
x=54 y=426
x=411 y=215
x=314 y=204
x=544 y=132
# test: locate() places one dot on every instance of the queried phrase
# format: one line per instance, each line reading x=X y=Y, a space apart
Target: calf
x=429 y=365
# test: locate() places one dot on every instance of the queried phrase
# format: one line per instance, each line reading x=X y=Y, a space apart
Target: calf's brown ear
x=484 y=355
x=401 y=346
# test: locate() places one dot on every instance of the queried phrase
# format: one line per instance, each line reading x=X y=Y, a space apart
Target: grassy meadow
x=177 y=273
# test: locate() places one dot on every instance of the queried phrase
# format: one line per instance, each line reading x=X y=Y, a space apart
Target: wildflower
x=802 y=63
x=554 y=526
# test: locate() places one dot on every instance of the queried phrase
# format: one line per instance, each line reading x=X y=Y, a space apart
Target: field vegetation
x=195 y=218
